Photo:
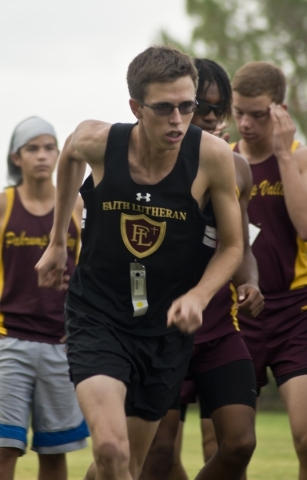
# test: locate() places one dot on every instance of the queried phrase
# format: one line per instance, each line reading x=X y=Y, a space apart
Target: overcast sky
x=66 y=60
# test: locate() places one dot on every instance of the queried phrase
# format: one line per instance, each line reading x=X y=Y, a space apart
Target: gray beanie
x=24 y=132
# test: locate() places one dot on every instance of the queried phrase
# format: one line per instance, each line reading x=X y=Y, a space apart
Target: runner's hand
x=284 y=130
x=51 y=268
x=186 y=313
x=250 y=300
x=219 y=132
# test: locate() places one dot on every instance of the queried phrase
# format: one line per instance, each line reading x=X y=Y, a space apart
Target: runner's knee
x=300 y=442
x=209 y=447
x=111 y=455
x=240 y=448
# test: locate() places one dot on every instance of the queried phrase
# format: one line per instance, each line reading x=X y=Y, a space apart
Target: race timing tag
x=138 y=289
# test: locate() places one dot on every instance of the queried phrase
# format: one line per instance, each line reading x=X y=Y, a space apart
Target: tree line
x=234 y=32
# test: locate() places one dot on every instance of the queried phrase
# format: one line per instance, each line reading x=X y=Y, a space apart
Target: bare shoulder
x=89 y=140
x=240 y=162
x=91 y=130
x=216 y=157
x=243 y=172
x=300 y=155
x=3 y=203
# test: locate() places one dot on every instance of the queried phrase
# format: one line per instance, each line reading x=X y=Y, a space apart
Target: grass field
x=274 y=458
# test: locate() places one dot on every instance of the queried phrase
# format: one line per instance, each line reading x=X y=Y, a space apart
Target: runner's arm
x=292 y=167
x=186 y=311
x=246 y=277
x=85 y=146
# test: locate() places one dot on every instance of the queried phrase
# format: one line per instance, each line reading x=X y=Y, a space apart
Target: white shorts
x=35 y=384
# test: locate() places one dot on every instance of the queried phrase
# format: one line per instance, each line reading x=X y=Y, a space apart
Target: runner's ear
x=136 y=108
x=15 y=157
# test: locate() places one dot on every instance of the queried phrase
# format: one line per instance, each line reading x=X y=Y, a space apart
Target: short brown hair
x=158 y=64
x=260 y=78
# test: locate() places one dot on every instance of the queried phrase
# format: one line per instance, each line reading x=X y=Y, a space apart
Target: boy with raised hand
x=278 y=337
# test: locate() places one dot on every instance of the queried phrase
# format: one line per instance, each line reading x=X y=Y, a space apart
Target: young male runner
x=221 y=371
x=278 y=338
x=34 y=379
x=140 y=287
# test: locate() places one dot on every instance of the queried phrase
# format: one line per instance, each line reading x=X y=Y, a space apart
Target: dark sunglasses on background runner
x=167 y=108
x=205 y=108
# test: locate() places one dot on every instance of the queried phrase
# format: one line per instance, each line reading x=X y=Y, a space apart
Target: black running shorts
x=152 y=368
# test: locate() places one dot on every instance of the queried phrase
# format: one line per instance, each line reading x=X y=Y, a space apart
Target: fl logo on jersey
x=141 y=235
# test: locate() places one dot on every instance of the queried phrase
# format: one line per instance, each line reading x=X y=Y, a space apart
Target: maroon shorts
x=215 y=353
x=277 y=338
x=207 y=366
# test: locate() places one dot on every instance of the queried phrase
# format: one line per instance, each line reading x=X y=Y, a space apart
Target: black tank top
x=159 y=226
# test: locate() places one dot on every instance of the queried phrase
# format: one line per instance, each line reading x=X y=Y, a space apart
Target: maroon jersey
x=220 y=316
x=280 y=253
x=28 y=312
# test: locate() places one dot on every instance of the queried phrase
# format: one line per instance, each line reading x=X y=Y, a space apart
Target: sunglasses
x=167 y=108
x=205 y=108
